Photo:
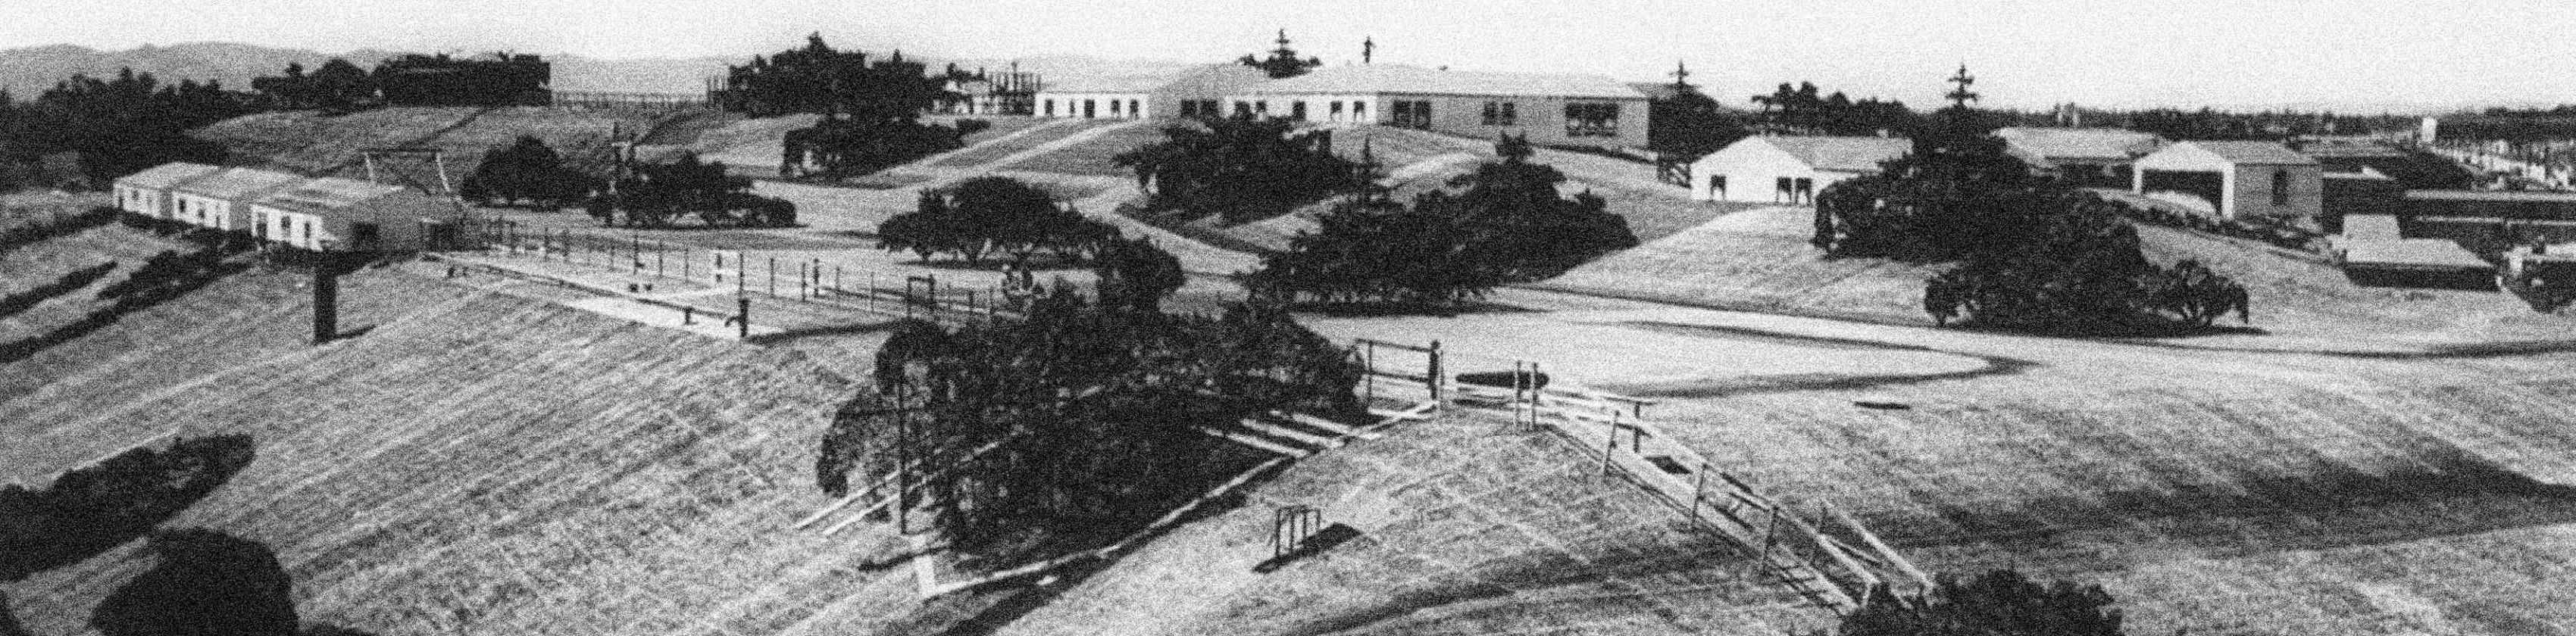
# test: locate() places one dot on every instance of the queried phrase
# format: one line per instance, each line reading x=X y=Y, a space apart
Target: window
x=1297 y=110
x=1359 y=111
x=362 y=234
x=1090 y=109
x=1413 y=113
x=1207 y=108
x=2280 y=187
x=1783 y=188
x=1333 y=110
x=1806 y=190
x=1189 y=108
x=1591 y=119
x=1717 y=186
x=1113 y=107
x=1243 y=110
x=1135 y=108
x=1502 y=114
x=1050 y=108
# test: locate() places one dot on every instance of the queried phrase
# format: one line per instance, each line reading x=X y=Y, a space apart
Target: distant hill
x=24 y=72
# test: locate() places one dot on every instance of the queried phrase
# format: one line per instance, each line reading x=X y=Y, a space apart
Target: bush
x=1998 y=603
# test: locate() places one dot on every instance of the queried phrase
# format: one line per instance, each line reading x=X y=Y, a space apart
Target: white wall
x=203 y=210
x=1752 y=170
x=1070 y=105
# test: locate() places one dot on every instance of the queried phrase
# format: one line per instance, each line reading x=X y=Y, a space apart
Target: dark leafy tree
x=870 y=107
x=1689 y=124
x=120 y=125
x=1283 y=61
x=1243 y=169
x=1135 y=275
x=993 y=215
x=1998 y=603
x=206 y=584
x=526 y=170
x=660 y=194
x=1802 y=109
x=1089 y=416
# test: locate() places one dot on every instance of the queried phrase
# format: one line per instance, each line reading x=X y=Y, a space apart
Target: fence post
x=661 y=267
x=1435 y=375
x=1610 y=444
x=773 y=276
x=744 y=305
x=800 y=282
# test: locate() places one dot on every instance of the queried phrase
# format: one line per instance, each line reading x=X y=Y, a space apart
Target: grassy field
x=1092 y=156
x=475 y=463
x=1465 y=527
x=991 y=151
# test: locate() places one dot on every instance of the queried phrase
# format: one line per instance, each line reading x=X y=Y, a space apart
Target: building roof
x=2501 y=196
x=327 y=194
x=1402 y=79
x=2262 y=153
x=2345 y=148
x=166 y=175
x=2415 y=253
x=1840 y=154
x=1149 y=81
x=2078 y=143
x=234 y=183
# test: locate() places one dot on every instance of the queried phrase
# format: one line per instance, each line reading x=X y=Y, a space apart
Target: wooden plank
x=1255 y=442
x=1871 y=539
x=1276 y=430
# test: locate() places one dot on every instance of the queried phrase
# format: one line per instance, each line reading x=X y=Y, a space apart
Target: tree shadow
x=1516 y=574
x=92 y=509
x=19 y=302
x=162 y=278
x=207 y=582
x=2329 y=505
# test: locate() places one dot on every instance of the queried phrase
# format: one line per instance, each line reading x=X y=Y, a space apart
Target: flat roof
x=2492 y=195
x=2079 y=143
x=2414 y=253
x=166 y=175
x=327 y=194
x=234 y=183
x=2254 y=152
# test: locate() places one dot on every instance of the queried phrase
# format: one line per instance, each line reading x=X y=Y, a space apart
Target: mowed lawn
x=1092 y=156
x=475 y=463
x=1757 y=260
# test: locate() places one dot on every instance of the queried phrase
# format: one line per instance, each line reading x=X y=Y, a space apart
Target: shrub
x=1998 y=603
x=988 y=215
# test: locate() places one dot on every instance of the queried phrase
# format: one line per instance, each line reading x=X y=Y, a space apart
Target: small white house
x=148 y=192
x=2239 y=179
x=221 y=200
x=334 y=214
x=1786 y=169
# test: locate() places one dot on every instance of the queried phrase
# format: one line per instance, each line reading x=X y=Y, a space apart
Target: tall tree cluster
x=1505 y=224
x=986 y=216
x=1802 y=109
x=338 y=86
x=1243 y=169
x=871 y=107
x=1689 y=124
x=1081 y=419
x=115 y=126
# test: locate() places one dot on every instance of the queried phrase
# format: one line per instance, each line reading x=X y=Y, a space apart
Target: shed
x=2416 y=262
x=221 y=199
x=2241 y=179
x=1188 y=92
x=334 y=214
x=148 y=192
x=2084 y=156
x=1786 y=169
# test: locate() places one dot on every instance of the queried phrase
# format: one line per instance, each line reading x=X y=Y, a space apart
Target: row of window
x=1090 y=108
x=1582 y=119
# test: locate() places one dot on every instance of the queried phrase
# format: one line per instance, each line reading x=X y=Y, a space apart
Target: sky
x=2355 y=54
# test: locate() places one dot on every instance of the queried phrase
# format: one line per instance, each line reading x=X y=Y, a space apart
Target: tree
x=206 y=584
x=986 y=215
x=1242 y=169
x=870 y=107
x=526 y=170
x=1689 y=124
x=1998 y=603
x=340 y=86
x=1282 y=62
x=661 y=193
x=1135 y=275
x=1079 y=420
x=1506 y=224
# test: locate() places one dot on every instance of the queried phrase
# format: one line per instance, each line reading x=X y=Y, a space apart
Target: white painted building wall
x=1103 y=105
x=1750 y=171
